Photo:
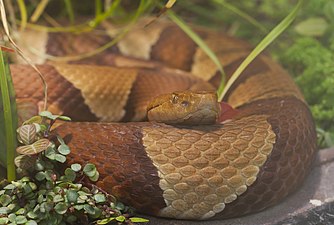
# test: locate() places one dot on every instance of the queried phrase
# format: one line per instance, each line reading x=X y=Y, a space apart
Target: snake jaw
x=187 y=108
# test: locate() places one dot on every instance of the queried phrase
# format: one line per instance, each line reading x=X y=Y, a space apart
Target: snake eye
x=174 y=99
x=184 y=103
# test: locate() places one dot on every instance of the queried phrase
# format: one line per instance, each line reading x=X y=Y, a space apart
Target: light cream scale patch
x=105 y=89
x=33 y=44
x=204 y=67
x=202 y=170
x=139 y=40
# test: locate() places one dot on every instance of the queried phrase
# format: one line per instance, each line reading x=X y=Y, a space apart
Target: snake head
x=187 y=108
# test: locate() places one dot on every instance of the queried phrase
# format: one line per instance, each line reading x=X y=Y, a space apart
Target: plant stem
x=39 y=10
x=242 y=14
x=23 y=13
x=69 y=9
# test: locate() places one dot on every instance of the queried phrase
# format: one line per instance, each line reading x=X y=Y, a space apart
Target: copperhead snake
x=179 y=171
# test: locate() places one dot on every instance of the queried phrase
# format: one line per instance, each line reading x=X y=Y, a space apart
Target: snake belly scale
x=180 y=171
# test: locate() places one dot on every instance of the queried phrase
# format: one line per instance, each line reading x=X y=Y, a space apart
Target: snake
x=185 y=171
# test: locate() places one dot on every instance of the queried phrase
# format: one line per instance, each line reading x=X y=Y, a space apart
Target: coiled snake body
x=190 y=172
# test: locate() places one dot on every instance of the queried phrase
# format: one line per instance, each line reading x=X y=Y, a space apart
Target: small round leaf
x=95 y=177
x=58 y=198
x=76 y=167
x=12 y=217
x=89 y=209
x=89 y=169
x=4 y=220
x=4 y=210
x=61 y=140
x=50 y=153
x=20 y=211
x=20 y=220
x=9 y=187
x=32 y=215
x=39 y=165
x=64 y=149
x=40 y=176
x=12 y=206
x=72 y=196
x=61 y=208
x=48 y=115
x=31 y=222
x=60 y=158
x=120 y=206
x=78 y=207
x=34 y=119
x=5 y=200
x=70 y=175
x=100 y=198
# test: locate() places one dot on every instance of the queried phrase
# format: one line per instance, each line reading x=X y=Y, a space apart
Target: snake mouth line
x=158 y=101
x=153 y=106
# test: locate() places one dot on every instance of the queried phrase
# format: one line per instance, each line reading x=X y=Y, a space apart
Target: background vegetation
x=306 y=49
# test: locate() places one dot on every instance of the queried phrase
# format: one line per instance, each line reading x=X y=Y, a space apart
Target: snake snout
x=191 y=108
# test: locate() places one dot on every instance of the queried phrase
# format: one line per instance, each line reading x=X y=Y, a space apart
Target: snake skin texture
x=241 y=166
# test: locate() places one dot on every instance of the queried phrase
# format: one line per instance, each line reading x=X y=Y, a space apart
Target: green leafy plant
x=8 y=118
x=50 y=193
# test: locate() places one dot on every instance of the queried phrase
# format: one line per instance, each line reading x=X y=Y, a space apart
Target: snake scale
x=187 y=172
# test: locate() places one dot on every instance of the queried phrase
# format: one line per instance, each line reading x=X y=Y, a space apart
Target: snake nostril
x=174 y=99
